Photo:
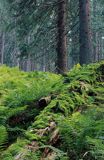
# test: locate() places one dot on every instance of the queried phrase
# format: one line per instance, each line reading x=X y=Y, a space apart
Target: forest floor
x=45 y=116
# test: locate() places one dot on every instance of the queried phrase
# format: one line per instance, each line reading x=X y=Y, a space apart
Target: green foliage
x=17 y=90
x=3 y=136
x=76 y=109
x=83 y=134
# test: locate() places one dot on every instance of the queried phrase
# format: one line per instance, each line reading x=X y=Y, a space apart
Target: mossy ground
x=70 y=127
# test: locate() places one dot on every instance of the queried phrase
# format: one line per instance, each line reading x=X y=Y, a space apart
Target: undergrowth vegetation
x=70 y=127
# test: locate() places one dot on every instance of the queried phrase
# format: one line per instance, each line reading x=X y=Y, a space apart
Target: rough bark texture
x=85 y=32
x=61 y=45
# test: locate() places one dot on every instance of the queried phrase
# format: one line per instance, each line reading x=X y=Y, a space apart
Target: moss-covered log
x=44 y=101
x=68 y=126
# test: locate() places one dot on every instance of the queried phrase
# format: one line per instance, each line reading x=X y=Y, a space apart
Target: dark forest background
x=51 y=35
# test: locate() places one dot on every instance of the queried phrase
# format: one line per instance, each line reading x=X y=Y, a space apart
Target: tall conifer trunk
x=94 y=32
x=85 y=55
x=61 y=44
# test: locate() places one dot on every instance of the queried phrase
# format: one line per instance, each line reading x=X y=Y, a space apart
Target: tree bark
x=94 y=32
x=61 y=44
x=85 y=55
x=2 y=44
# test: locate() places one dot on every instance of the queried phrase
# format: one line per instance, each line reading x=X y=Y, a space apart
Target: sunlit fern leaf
x=3 y=137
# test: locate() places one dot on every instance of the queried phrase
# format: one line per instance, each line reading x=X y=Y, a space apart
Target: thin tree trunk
x=85 y=32
x=61 y=44
x=28 y=63
x=94 y=32
x=3 y=47
x=99 y=46
x=29 y=57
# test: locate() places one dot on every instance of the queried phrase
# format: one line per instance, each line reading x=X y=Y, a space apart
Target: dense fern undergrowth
x=69 y=127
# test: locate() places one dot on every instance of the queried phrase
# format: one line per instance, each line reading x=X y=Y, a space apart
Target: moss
x=76 y=108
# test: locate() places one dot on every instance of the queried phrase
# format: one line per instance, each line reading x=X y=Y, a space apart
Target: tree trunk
x=28 y=63
x=2 y=43
x=94 y=32
x=85 y=56
x=61 y=44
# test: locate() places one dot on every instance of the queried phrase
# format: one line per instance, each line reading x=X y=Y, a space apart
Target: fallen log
x=44 y=101
x=34 y=145
x=53 y=141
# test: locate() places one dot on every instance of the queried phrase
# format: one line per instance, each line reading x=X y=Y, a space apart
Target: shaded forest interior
x=51 y=79
x=51 y=35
